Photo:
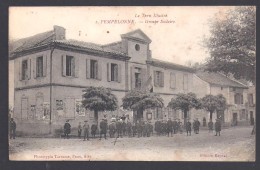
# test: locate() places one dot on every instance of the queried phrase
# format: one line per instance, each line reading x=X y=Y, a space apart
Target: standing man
x=86 y=130
x=210 y=126
x=139 y=128
x=217 y=127
x=188 y=127
x=79 y=130
x=198 y=125
x=169 y=127
x=175 y=126
x=93 y=129
x=12 y=128
x=119 y=128
x=103 y=128
x=67 y=129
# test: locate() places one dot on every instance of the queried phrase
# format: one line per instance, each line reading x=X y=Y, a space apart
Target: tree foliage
x=213 y=103
x=141 y=100
x=185 y=102
x=232 y=44
x=99 y=99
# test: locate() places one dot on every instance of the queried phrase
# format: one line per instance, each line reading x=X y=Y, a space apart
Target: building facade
x=238 y=97
x=50 y=73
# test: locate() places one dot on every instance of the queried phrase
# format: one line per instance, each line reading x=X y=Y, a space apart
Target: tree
x=138 y=100
x=232 y=44
x=213 y=103
x=99 y=99
x=185 y=102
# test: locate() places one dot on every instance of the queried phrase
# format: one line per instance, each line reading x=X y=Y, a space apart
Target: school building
x=50 y=73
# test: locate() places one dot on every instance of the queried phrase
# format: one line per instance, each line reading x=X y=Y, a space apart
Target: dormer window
x=137 y=47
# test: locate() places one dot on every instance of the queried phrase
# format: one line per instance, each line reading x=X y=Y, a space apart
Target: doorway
x=234 y=123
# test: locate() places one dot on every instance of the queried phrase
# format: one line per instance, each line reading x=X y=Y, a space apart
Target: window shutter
x=44 y=65
x=87 y=68
x=34 y=66
x=162 y=79
x=20 y=70
x=155 y=79
x=133 y=77
x=108 y=72
x=143 y=77
x=76 y=66
x=99 y=70
x=173 y=81
x=29 y=69
x=119 y=73
x=63 y=65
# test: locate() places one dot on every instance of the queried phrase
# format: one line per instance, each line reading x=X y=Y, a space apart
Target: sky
x=178 y=41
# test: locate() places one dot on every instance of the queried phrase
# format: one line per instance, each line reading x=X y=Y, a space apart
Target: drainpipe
x=50 y=123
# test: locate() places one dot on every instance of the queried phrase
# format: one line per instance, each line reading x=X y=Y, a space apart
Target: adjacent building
x=240 y=98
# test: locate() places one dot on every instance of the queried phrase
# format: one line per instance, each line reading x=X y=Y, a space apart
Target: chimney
x=60 y=32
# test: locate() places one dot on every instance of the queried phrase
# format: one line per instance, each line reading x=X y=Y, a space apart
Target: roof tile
x=219 y=79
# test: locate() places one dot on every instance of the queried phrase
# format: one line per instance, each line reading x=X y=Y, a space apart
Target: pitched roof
x=165 y=64
x=88 y=45
x=30 y=42
x=218 y=79
x=136 y=35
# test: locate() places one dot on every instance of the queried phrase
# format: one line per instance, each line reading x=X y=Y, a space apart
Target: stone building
x=238 y=97
x=50 y=73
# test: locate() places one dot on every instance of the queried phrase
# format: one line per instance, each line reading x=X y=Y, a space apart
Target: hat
x=67 y=120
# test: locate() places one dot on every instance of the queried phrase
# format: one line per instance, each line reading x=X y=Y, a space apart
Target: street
x=234 y=144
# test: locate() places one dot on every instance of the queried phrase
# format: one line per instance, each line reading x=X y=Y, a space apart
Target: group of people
x=119 y=128
x=176 y=126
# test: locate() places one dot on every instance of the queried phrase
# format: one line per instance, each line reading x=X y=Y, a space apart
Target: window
x=25 y=70
x=137 y=47
x=138 y=80
x=158 y=78
x=185 y=82
x=221 y=88
x=70 y=66
x=114 y=72
x=93 y=69
x=238 y=97
x=39 y=67
x=173 y=81
x=250 y=99
x=158 y=113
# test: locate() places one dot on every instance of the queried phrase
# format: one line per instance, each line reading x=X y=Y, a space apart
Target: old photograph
x=121 y=83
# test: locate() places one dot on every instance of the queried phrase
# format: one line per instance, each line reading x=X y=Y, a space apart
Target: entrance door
x=234 y=119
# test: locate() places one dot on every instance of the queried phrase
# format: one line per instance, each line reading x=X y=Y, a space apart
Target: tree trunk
x=185 y=117
x=96 y=116
x=210 y=115
x=140 y=114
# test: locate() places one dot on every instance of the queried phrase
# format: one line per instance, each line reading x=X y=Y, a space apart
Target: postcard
x=173 y=83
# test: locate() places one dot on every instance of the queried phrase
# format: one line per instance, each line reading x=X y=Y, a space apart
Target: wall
x=179 y=81
x=32 y=81
x=200 y=87
x=81 y=80
x=137 y=56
